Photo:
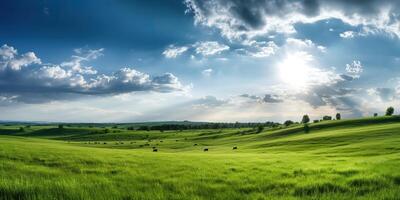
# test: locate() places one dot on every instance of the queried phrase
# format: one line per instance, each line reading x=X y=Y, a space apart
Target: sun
x=295 y=69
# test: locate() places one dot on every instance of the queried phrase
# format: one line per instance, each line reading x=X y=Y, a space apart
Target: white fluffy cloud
x=173 y=51
x=210 y=48
x=348 y=34
x=259 y=49
x=354 y=69
x=12 y=61
x=26 y=80
x=207 y=72
x=82 y=55
x=203 y=48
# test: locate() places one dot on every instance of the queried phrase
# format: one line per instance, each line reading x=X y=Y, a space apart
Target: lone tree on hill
x=305 y=119
x=389 y=111
x=260 y=128
x=338 y=116
x=306 y=128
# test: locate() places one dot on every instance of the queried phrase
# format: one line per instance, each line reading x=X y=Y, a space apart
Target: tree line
x=167 y=127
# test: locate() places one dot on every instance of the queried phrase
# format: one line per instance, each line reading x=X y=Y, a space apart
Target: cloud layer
x=237 y=19
x=24 y=78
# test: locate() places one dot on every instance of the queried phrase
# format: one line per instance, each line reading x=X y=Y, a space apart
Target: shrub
x=288 y=122
x=375 y=114
x=327 y=118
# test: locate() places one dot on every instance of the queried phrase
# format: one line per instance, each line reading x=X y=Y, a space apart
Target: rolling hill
x=346 y=159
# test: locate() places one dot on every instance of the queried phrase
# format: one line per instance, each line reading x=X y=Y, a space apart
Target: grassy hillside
x=347 y=159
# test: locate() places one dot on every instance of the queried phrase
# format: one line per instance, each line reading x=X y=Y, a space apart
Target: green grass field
x=347 y=159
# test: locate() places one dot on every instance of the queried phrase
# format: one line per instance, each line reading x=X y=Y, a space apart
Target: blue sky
x=211 y=60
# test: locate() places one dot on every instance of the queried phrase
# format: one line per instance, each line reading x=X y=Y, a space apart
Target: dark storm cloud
x=24 y=78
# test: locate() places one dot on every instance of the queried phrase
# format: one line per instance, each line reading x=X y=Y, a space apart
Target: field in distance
x=344 y=159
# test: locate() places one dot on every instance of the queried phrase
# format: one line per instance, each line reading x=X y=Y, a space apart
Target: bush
x=288 y=122
x=327 y=118
x=60 y=126
x=375 y=114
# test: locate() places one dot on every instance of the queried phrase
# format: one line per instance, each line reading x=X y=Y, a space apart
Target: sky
x=198 y=60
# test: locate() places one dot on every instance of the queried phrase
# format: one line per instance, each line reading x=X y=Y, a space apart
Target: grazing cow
x=105 y=142
x=155 y=150
x=205 y=149
x=234 y=148
x=195 y=145
x=161 y=141
x=153 y=147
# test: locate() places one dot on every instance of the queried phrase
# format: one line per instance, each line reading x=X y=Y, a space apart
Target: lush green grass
x=348 y=159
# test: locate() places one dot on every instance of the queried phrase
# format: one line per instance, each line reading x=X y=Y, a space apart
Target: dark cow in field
x=155 y=150
x=234 y=148
x=195 y=145
x=205 y=149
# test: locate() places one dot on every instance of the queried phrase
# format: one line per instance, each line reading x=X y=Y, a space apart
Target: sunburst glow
x=295 y=70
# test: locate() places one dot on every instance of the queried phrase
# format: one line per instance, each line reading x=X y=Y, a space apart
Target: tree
x=305 y=119
x=389 y=111
x=375 y=114
x=306 y=128
x=60 y=126
x=260 y=128
x=288 y=122
x=338 y=116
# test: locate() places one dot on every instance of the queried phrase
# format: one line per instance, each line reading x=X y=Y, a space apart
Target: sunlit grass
x=356 y=159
